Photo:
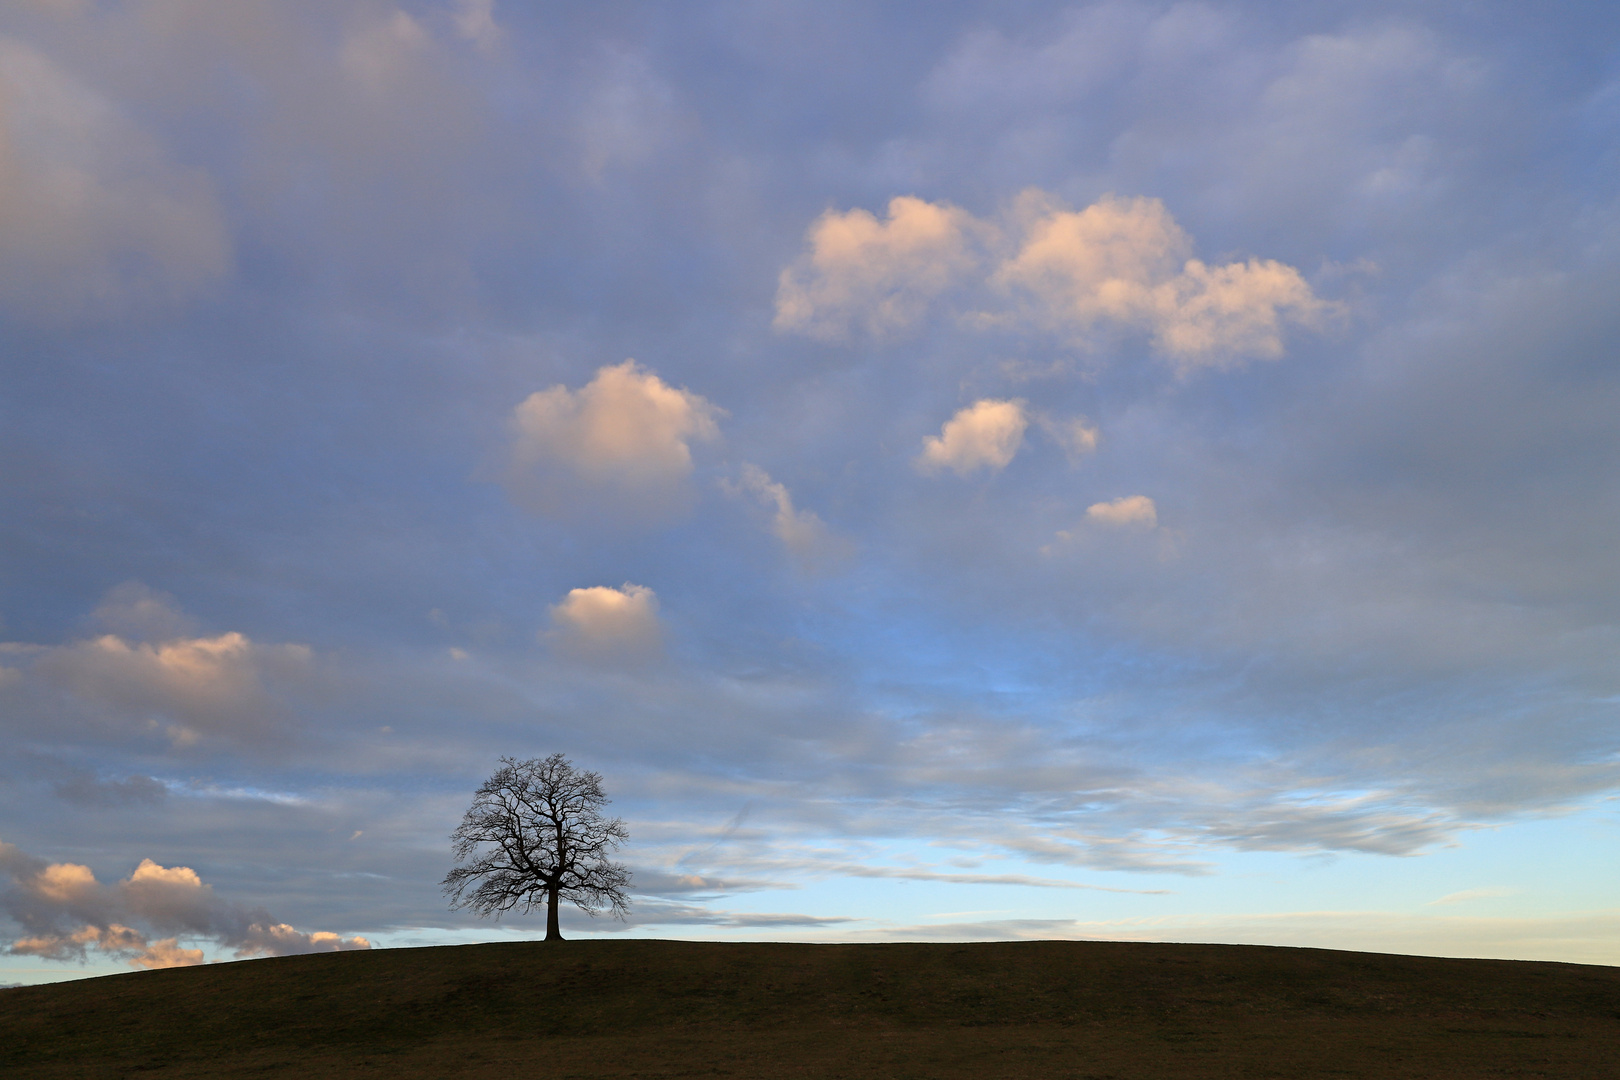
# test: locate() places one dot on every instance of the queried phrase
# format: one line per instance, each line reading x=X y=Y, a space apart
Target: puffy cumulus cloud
x=1098 y=263
x=114 y=939
x=170 y=895
x=806 y=537
x=1130 y=511
x=986 y=434
x=167 y=954
x=601 y=622
x=1218 y=316
x=876 y=276
x=65 y=912
x=65 y=882
x=1119 y=265
x=188 y=689
x=1126 y=263
x=626 y=436
x=94 y=216
x=279 y=939
x=1129 y=514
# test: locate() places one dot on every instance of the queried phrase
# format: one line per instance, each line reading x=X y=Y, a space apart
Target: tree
x=535 y=833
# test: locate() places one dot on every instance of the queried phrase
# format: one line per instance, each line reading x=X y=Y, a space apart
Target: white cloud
x=802 y=532
x=1119 y=265
x=1131 y=511
x=1126 y=263
x=187 y=689
x=94 y=218
x=1219 y=316
x=603 y=622
x=986 y=434
x=875 y=276
x=626 y=434
x=1097 y=264
x=64 y=912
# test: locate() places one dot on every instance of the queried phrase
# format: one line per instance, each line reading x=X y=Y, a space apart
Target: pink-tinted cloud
x=65 y=912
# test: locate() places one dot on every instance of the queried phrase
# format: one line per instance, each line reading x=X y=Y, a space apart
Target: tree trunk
x=552 y=932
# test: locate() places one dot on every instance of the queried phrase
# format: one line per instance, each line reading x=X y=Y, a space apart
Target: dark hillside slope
x=685 y=1009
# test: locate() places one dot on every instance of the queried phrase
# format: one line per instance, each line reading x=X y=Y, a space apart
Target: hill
x=1050 y=1009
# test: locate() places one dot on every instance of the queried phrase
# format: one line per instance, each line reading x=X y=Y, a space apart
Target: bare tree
x=535 y=833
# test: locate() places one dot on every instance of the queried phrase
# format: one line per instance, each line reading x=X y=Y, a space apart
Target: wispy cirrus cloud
x=802 y=532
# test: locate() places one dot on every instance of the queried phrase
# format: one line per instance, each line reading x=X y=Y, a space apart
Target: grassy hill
x=1052 y=1009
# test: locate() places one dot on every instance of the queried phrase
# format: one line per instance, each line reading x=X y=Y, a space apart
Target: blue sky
x=1131 y=470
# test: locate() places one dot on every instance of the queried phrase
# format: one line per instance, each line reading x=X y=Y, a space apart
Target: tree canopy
x=535 y=834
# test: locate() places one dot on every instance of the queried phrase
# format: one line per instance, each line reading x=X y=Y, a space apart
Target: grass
x=1050 y=1009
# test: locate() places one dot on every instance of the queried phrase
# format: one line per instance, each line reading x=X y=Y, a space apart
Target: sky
x=958 y=471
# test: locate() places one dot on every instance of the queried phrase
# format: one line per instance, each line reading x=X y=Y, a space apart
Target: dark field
x=676 y=1009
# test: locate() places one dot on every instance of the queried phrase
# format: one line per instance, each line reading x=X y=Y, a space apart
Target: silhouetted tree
x=534 y=834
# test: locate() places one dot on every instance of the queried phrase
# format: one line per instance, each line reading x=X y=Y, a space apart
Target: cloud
x=1119 y=265
x=1130 y=511
x=1097 y=264
x=1494 y=893
x=1126 y=263
x=986 y=434
x=381 y=52
x=603 y=622
x=874 y=276
x=628 y=115
x=226 y=687
x=64 y=912
x=85 y=789
x=1219 y=316
x=1077 y=435
x=167 y=954
x=653 y=912
x=94 y=218
x=142 y=614
x=806 y=537
x=1350 y=594
x=189 y=688
x=626 y=435
x=1578 y=937
x=475 y=21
